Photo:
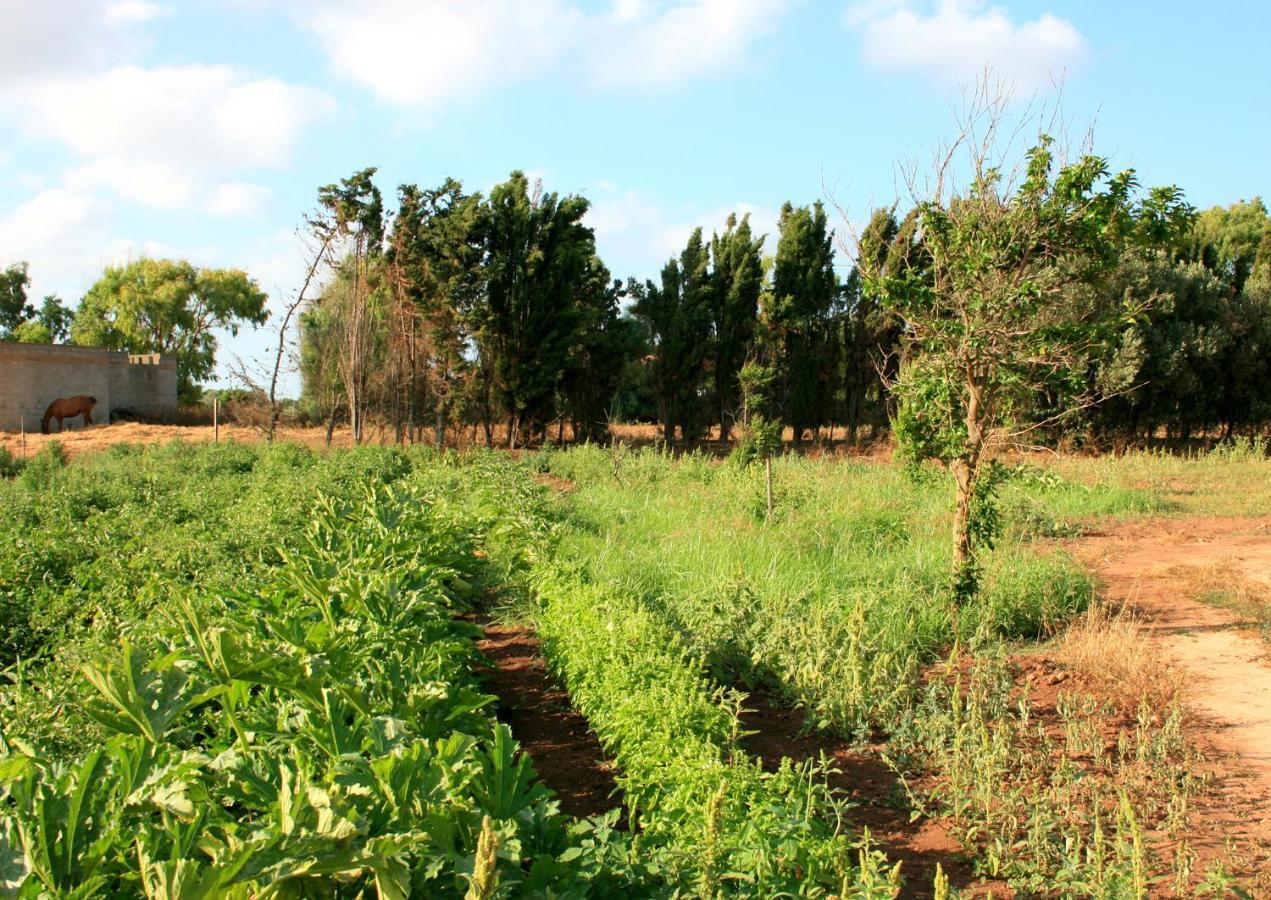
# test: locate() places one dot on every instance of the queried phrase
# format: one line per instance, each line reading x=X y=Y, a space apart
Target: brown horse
x=68 y=409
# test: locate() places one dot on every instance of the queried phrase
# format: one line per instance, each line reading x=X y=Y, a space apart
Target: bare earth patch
x=1157 y=571
x=567 y=755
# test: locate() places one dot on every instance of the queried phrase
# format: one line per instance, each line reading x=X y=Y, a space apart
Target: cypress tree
x=737 y=280
x=802 y=310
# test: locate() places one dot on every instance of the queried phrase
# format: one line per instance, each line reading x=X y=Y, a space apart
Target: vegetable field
x=252 y=672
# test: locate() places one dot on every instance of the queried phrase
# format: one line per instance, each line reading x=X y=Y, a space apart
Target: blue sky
x=202 y=129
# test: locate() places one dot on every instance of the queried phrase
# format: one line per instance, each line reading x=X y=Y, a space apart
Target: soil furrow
x=566 y=753
x=877 y=796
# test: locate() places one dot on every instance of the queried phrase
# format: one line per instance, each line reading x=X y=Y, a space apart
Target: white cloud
x=147 y=182
x=167 y=137
x=957 y=39
x=237 y=200
x=194 y=114
x=42 y=37
x=426 y=53
x=64 y=234
x=131 y=12
x=421 y=53
x=641 y=44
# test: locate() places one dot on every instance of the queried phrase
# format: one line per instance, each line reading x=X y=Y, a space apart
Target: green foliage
x=737 y=277
x=538 y=264
x=168 y=306
x=801 y=312
x=31 y=331
x=761 y=434
x=677 y=314
x=434 y=253
x=22 y=322
x=313 y=727
x=282 y=773
x=10 y=465
x=709 y=815
x=14 y=308
x=994 y=315
x=839 y=608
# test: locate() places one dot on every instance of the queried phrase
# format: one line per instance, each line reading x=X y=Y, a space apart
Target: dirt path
x=567 y=755
x=1158 y=569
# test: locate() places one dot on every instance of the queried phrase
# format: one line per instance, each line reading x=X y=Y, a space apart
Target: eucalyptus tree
x=737 y=278
x=991 y=315
x=353 y=221
x=434 y=255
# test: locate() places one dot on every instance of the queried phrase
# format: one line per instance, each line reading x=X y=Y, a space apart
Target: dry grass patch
x=1225 y=584
x=1114 y=652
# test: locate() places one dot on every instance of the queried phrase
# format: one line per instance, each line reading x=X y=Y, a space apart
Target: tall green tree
x=606 y=343
x=434 y=255
x=354 y=217
x=14 y=308
x=537 y=254
x=993 y=317
x=677 y=314
x=1234 y=243
x=871 y=332
x=56 y=318
x=801 y=313
x=737 y=280
x=169 y=306
x=1231 y=241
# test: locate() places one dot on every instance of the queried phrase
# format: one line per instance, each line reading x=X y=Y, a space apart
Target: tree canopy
x=169 y=306
x=993 y=310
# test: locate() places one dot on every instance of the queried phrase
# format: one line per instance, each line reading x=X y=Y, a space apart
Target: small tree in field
x=995 y=307
x=761 y=433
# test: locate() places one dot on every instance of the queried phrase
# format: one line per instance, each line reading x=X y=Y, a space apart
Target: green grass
x=662 y=595
x=840 y=605
x=1230 y=480
x=839 y=602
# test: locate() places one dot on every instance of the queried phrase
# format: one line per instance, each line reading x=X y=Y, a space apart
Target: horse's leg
x=88 y=417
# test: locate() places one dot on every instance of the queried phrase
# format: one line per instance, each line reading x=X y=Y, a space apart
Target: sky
x=201 y=129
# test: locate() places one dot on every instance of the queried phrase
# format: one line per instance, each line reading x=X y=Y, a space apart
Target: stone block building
x=34 y=375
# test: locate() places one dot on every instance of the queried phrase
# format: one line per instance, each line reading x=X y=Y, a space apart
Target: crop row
x=710 y=818
x=318 y=734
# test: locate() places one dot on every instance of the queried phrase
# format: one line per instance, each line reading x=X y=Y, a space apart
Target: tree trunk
x=962 y=549
x=966 y=468
x=668 y=433
x=330 y=427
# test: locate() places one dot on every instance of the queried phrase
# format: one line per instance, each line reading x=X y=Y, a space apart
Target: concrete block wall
x=150 y=387
x=34 y=375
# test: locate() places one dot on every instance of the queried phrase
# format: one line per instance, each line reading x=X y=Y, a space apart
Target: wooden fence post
x=216 y=420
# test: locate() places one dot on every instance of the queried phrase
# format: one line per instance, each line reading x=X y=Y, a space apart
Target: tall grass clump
x=837 y=602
